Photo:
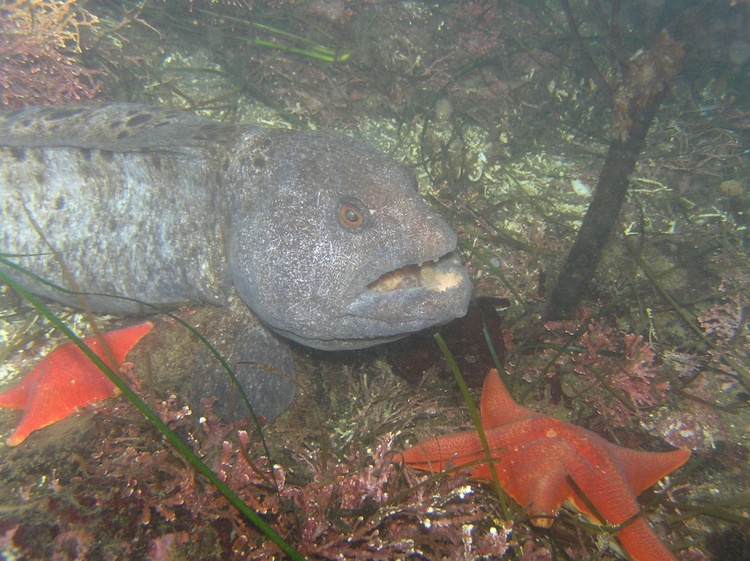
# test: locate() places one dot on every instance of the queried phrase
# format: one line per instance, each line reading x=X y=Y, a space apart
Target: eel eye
x=350 y=216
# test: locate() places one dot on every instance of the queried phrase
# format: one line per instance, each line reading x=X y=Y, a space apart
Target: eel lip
x=437 y=276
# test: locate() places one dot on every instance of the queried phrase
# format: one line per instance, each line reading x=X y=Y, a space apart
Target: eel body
x=322 y=239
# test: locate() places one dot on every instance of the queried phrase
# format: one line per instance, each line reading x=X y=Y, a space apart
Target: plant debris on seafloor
x=490 y=104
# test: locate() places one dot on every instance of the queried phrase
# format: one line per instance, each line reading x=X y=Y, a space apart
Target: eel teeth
x=424 y=275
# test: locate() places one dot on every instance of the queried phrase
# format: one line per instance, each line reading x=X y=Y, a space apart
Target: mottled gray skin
x=162 y=206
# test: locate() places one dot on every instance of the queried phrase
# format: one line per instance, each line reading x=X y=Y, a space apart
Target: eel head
x=332 y=246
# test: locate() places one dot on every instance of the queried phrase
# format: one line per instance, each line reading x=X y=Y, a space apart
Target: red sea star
x=66 y=380
x=534 y=456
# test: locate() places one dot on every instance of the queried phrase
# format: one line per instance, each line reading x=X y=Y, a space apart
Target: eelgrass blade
x=156 y=309
x=144 y=409
x=477 y=420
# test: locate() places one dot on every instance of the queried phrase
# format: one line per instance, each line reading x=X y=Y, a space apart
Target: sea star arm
x=642 y=544
x=497 y=405
x=643 y=469
x=534 y=475
x=66 y=380
x=450 y=451
x=599 y=477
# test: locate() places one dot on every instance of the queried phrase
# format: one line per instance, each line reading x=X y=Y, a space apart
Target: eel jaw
x=430 y=275
x=413 y=297
x=397 y=303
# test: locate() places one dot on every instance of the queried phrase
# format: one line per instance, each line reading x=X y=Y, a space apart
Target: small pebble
x=731 y=187
x=443 y=110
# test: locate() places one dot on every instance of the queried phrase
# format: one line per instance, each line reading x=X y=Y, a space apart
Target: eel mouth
x=438 y=276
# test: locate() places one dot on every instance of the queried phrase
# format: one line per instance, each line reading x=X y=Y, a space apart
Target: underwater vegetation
x=495 y=107
x=40 y=47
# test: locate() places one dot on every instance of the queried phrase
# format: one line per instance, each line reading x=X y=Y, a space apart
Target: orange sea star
x=535 y=455
x=66 y=380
